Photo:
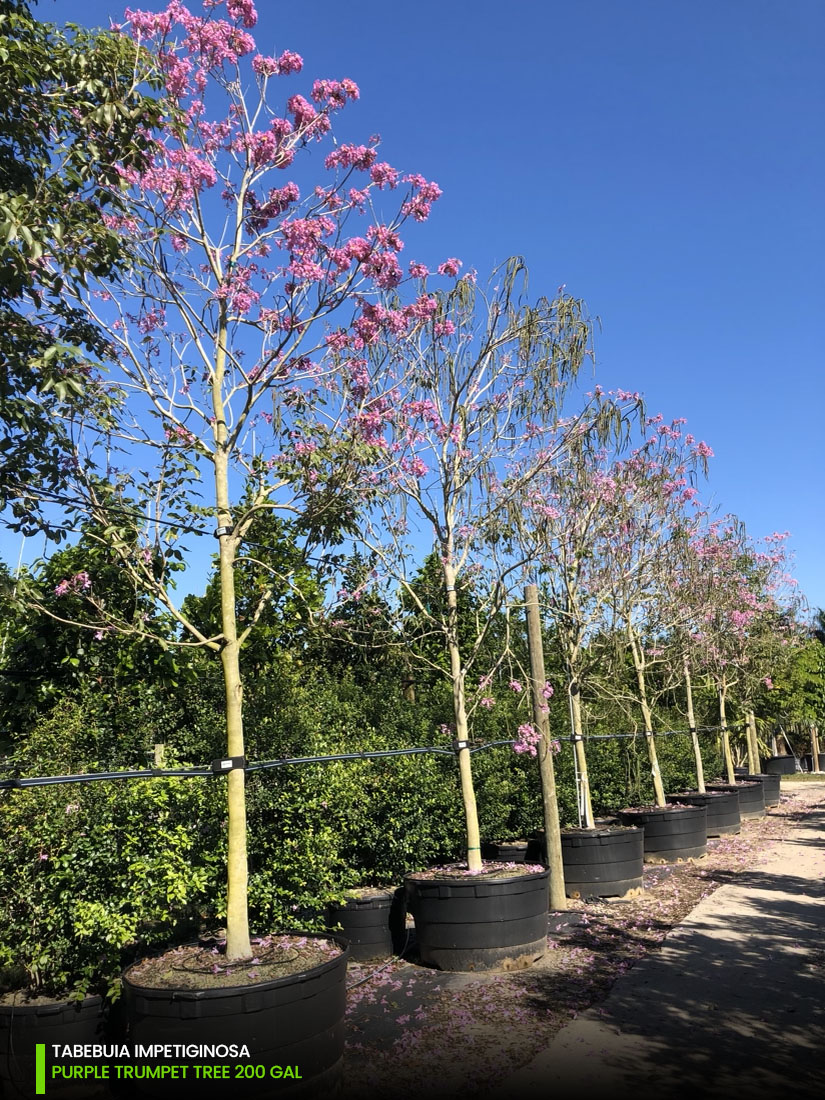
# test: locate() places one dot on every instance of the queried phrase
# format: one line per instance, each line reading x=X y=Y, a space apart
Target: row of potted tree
x=271 y=347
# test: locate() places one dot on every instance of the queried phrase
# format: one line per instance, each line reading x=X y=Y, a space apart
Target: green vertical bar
x=40 y=1069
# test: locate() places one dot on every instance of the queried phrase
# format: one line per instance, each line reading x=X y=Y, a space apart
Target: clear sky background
x=665 y=159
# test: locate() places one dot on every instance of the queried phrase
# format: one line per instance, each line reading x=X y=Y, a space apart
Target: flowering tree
x=226 y=392
x=547 y=522
x=743 y=609
x=650 y=502
x=476 y=416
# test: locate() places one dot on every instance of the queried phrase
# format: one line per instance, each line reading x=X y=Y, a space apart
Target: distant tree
x=481 y=406
x=73 y=107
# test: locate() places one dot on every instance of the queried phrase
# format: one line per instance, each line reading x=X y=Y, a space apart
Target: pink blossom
x=449 y=267
x=515 y=685
x=80 y=582
x=527 y=740
x=351 y=156
x=488 y=702
x=243 y=10
x=384 y=175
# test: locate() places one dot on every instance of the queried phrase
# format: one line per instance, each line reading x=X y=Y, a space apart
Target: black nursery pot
x=751 y=796
x=373 y=923
x=722 y=809
x=779 y=765
x=23 y=1026
x=512 y=851
x=671 y=834
x=296 y=1021
x=770 y=787
x=602 y=862
x=477 y=922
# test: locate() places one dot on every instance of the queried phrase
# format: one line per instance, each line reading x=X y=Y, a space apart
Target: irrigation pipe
x=265 y=765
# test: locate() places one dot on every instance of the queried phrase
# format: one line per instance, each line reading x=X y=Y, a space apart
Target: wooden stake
x=552 y=831
x=754 y=763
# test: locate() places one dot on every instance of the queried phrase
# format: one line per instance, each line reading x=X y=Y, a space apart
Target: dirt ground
x=457 y=1035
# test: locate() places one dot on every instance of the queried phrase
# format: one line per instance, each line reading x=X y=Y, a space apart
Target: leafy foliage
x=71 y=107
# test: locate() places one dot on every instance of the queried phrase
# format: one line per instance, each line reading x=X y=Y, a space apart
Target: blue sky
x=665 y=161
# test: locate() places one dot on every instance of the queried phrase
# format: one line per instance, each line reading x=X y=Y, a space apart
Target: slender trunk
x=754 y=763
x=815 y=754
x=694 y=736
x=238 y=946
x=583 y=794
x=461 y=727
x=653 y=756
x=552 y=831
x=237 y=919
x=723 y=722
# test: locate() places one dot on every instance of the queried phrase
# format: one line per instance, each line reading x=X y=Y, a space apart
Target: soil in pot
x=722 y=809
x=287 y=1006
x=603 y=862
x=672 y=833
x=26 y=1021
x=373 y=920
x=495 y=918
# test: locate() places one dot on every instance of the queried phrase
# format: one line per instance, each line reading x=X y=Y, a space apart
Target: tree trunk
x=237 y=919
x=694 y=736
x=552 y=831
x=816 y=764
x=723 y=722
x=583 y=794
x=653 y=756
x=461 y=727
x=237 y=911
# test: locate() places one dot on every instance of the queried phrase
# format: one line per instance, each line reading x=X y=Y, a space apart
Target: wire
x=266 y=765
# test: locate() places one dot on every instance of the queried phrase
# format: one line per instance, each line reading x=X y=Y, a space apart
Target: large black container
x=672 y=833
x=779 y=765
x=478 y=922
x=722 y=809
x=293 y=1021
x=23 y=1026
x=373 y=923
x=770 y=787
x=751 y=796
x=513 y=851
x=602 y=862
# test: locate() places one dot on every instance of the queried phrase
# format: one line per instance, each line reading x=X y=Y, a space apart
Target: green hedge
x=92 y=875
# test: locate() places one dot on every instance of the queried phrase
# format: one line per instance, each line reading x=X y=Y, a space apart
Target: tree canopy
x=73 y=104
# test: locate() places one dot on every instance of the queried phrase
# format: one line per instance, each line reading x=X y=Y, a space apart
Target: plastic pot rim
x=175 y=993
